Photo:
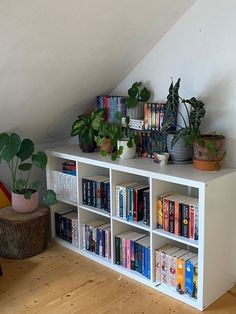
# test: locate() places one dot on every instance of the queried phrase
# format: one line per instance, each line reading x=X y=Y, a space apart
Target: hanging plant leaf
x=36 y=185
x=50 y=198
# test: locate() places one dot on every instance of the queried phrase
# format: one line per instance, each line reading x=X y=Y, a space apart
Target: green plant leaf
x=114 y=156
x=50 y=198
x=36 y=185
x=133 y=91
x=28 y=194
x=172 y=106
x=196 y=116
x=4 y=139
x=77 y=126
x=20 y=184
x=103 y=153
x=120 y=150
x=26 y=149
x=11 y=148
x=130 y=143
x=145 y=94
x=131 y=102
x=25 y=166
x=40 y=160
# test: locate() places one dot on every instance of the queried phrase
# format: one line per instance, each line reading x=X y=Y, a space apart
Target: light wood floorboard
x=60 y=281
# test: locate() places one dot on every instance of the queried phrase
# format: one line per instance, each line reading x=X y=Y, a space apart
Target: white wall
x=56 y=56
x=200 y=49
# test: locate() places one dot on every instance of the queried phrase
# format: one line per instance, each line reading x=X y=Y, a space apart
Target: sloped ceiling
x=56 y=56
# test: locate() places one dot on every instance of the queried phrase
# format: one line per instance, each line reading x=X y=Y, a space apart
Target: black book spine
x=108 y=197
x=117 y=250
x=84 y=191
x=185 y=220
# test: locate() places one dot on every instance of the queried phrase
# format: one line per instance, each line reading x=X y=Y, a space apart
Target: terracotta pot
x=22 y=205
x=106 y=145
x=203 y=153
x=207 y=165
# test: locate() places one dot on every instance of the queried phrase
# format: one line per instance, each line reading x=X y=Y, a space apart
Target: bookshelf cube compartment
x=64 y=223
x=131 y=198
x=95 y=233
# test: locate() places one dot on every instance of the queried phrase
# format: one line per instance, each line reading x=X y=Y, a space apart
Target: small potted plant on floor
x=20 y=158
x=86 y=127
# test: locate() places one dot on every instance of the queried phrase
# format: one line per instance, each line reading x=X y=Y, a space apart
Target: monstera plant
x=20 y=158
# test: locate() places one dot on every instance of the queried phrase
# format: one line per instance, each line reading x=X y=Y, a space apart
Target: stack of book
x=178 y=214
x=132 y=202
x=112 y=105
x=132 y=251
x=96 y=236
x=177 y=269
x=66 y=225
x=153 y=116
x=151 y=142
x=96 y=192
x=65 y=186
x=69 y=167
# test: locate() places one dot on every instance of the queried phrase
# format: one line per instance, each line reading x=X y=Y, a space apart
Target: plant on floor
x=16 y=154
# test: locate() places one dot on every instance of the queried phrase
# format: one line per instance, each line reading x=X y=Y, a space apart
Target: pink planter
x=22 y=205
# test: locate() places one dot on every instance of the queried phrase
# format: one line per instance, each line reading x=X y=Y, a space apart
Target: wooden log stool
x=23 y=235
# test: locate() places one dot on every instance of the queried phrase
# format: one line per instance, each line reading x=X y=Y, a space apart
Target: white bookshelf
x=216 y=246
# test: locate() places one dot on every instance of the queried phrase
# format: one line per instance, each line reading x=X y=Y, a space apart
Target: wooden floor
x=60 y=281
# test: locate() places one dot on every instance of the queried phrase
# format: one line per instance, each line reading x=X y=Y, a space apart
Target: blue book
x=189 y=270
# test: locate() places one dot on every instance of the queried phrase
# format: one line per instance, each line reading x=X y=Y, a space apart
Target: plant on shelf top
x=136 y=93
x=86 y=127
x=16 y=154
x=195 y=111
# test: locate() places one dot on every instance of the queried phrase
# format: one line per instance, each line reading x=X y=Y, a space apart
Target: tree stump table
x=23 y=235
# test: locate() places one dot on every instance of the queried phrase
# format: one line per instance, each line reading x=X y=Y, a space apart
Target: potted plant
x=137 y=95
x=16 y=154
x=180 y=141
x=126 y=145
x=86 y=127
x=209 y=151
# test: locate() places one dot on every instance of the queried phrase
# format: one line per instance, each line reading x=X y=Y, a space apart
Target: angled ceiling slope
x=56 y=56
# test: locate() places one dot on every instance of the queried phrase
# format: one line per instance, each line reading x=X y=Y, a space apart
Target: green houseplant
x=138 y=94
x=20 y=158
x=86 y=127
x=180 y=141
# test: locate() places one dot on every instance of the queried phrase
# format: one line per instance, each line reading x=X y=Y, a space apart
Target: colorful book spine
x=185 y=220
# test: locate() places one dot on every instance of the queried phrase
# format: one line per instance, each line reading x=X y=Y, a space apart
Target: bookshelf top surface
x=182 y=174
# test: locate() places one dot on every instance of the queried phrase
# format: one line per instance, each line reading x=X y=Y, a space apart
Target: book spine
x=172 y=272
x=148 y=263
x=171 y=216
x=158 y=265
x=128 y=253
x=159 y=212
x=163 y=269
x=117 y=213
x=145 y=116
x=166 y=214
x=189 y=270
x=84 y=191
x=157 y=117
x=177 y=218
x=195 y=281
x=180 y=276
x=191 y=222
x=185 y=220
x=132 y=255
x=153 y=118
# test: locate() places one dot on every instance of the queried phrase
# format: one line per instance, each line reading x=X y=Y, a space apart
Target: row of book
x=65 y=186
x=177 y=269
x=132 y=202
x=112 y=105
x=96 y=236
x=96 y=192
x=178 y=214
x=69 y=167
x=132 y=251
x=153 y=116
x=66 y=226
x=151 y=142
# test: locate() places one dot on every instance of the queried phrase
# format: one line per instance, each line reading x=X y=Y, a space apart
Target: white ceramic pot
x=22 y=205
x=128 y=153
